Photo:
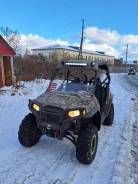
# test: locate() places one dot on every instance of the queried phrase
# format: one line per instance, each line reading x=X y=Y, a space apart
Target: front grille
x=52 y=115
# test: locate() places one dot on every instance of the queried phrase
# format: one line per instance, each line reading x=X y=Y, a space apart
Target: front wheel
x=87 y=145
x=28 y=133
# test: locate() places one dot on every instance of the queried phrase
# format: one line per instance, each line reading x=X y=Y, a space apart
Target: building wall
x=45 y=52
x=13 y=73
x=6 y=71
x=69 y=54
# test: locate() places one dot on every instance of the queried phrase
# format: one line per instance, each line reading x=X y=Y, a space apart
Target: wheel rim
x=93 y=144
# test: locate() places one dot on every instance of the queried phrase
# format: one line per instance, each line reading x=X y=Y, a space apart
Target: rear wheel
x=28 y=133
x=110 y=118
x=87 y=145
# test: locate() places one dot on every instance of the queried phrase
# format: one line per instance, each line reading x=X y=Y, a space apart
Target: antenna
x=81 y=43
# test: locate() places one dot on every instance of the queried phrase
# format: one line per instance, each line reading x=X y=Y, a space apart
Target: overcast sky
x=109 y=25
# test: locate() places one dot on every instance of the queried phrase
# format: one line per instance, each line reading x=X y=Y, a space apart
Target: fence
x=121 y=69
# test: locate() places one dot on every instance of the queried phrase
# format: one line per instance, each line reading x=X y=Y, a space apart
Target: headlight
x=36 y=107
x=74 y=113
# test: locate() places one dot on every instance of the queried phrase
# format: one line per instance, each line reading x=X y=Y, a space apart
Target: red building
x=6 y=63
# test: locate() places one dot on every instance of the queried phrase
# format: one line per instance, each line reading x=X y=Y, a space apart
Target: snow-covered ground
x=52 y=161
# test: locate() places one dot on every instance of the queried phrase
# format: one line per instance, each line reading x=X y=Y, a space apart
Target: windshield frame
x=69 y=68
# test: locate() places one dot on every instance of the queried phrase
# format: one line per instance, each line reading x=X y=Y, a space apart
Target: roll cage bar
x=95 y=66
x=83 y=65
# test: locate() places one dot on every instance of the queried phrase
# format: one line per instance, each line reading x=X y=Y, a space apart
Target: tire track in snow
x=134 y=149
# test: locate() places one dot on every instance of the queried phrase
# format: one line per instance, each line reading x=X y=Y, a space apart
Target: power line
x=59 y=31
x=63 y=32
x=59 y=27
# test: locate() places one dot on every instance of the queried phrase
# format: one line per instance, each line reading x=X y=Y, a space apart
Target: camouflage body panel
x=70 y=100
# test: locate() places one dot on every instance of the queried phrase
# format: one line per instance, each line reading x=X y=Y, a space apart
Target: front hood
x=67 y=100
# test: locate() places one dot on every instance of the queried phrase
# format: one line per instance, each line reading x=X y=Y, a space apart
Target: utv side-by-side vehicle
x=132 y=71
x=75 y=105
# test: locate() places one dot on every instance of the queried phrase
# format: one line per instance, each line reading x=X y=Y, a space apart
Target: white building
x=71 y=52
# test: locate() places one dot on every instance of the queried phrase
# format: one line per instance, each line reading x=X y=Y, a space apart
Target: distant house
x=6 y=63
x=71 y=52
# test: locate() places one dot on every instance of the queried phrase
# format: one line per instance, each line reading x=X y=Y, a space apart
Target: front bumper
x=53 y=121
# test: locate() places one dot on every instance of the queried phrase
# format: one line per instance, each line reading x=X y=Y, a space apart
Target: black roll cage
x=90 y=65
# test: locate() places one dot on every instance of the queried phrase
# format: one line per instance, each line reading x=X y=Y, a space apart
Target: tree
x=12 y=37
x=27 y=52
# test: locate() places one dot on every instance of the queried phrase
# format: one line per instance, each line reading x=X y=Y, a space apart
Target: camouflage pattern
x=70 y=100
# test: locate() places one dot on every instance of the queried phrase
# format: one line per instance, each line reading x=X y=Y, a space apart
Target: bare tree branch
x=12 y=37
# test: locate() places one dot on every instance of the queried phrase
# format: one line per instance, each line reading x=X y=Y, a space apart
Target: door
x=7 y=70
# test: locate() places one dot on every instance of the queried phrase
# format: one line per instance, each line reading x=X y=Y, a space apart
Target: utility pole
x=81 y=43
x=126 y=53
x=126 y=56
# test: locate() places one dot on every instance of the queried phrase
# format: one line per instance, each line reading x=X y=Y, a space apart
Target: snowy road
x=54 y=162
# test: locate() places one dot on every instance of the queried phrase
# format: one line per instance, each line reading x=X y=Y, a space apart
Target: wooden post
x=2 y=70
x=12 y=70
x=126 y=53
